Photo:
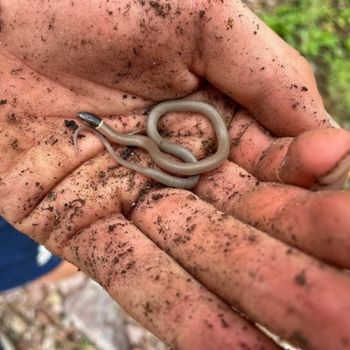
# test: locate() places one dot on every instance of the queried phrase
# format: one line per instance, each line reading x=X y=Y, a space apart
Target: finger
x=81 y=223
x=317 y=223
x=170 y=303
x=311 y=159
x=255 y=273
x=261 y=72
x=317 y=158
x=97 y=188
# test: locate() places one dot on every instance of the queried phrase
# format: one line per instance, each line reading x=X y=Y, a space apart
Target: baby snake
x=156 y=146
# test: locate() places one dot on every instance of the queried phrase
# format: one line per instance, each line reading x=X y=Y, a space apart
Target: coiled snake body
x=159 y=148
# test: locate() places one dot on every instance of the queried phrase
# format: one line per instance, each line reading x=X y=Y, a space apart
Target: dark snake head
x=90 y=119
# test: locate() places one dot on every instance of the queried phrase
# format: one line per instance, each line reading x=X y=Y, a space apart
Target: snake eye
x=90 y=119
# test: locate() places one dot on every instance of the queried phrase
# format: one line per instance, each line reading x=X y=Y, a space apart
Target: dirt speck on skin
x=160 y=8
x=71 y=124
x=289 y=251
x=295 y=105
x=127 y=152
x=11 y=118
x=51 y=196
x=156 y=197
x=299 y=338
x=300 y=278
x=202 y=14
x=230 y=23
x=14 y=144
x=223 y=322
x=111 y=227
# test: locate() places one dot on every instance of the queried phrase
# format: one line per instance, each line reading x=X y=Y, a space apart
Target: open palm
x=196 y=268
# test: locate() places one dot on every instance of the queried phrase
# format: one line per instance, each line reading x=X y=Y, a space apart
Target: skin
x=155 y=143
x=251 y=242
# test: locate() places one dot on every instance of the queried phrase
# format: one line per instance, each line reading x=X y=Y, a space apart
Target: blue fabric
x=19 y=258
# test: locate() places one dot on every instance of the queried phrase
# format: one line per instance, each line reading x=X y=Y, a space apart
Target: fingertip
x=318 y=157
x=339 y=173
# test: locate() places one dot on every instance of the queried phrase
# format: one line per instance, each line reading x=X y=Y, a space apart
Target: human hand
x=116 y=59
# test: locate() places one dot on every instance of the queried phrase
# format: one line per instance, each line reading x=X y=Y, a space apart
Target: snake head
x=90 y=119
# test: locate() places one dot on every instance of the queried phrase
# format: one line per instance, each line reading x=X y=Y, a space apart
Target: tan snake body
x=156 y=146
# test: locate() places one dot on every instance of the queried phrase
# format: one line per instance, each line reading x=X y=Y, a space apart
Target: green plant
x=320 y=30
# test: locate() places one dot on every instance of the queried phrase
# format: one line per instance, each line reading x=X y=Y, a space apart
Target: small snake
x=155 y=145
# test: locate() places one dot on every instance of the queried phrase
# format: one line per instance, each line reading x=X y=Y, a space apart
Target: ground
x=62 y=315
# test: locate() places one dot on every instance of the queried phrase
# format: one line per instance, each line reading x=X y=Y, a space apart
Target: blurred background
x=320 y=31
x=75 y=313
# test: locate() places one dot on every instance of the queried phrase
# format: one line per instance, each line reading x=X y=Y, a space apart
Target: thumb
x=245 y=59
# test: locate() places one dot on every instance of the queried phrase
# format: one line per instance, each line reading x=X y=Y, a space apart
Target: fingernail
x=342 y=168
x=333 y=121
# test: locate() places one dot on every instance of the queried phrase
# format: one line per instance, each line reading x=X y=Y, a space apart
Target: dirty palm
x=250 y=237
